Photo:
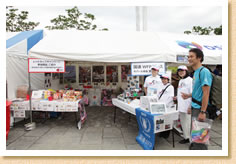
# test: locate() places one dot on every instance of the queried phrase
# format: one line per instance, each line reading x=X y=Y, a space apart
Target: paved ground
x=98 y=133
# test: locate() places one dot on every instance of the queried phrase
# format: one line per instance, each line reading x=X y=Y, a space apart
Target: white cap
x=182 y=67
x=165 y=75
x=155 y=68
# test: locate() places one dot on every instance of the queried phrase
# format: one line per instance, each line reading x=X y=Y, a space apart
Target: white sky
x=174 y=19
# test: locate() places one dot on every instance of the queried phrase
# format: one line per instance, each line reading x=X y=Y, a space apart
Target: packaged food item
x=56 y=96
x=22 y=91
x=47 y=94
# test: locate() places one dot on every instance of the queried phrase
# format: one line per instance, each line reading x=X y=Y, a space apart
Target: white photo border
x=223 y=152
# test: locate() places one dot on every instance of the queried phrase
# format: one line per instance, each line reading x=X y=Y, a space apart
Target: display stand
x=134 y=106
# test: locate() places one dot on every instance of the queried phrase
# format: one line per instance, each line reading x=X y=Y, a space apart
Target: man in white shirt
x=153 y=84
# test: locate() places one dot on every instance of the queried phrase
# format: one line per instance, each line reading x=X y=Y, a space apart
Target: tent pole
x=30 y=97
x=31 y=125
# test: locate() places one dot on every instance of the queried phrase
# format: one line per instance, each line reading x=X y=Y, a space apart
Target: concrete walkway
x=98 y=133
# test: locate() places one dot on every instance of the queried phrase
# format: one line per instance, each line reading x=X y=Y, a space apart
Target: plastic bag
x=200 y=131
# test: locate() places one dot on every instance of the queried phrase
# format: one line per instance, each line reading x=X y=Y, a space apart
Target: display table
x=149 y=124
x=8 y=117
x=19 y=108
x=130 y=108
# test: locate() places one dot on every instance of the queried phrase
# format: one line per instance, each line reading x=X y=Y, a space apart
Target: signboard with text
x=144 y=69
x=46 y=66
x=146 y=135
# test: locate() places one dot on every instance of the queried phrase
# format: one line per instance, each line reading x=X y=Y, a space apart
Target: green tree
x=204 y=30
x=16 y=22
x=218 y=30
x=74 y=20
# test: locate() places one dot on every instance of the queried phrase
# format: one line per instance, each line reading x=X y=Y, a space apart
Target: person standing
x=167 y=92
x=218 y=70
x=201 y=86
x=184 y=105
x=153 y=84
x=166 y=96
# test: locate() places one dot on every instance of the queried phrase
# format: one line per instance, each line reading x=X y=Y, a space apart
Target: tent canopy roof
x=32 y=38
x=107 y=46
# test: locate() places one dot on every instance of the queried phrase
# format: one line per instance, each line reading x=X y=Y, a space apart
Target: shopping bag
x=200 y=131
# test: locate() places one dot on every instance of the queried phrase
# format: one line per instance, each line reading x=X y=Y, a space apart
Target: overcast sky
x=159 y=19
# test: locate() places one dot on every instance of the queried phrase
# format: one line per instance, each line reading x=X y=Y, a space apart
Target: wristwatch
x=203 y=112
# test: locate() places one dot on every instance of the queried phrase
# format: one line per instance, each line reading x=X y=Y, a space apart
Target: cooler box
x=8 y=117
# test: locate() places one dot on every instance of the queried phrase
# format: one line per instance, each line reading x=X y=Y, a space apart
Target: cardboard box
x=61 y=107
x=157 y=107
x=24 y=105
x=71 y=106
x=145 y=102
x=19 y=114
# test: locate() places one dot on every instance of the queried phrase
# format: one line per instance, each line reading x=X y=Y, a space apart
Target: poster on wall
x=144 y=69
x=45 y=65
x=98 y=74
x=112 y=74
x=125 y=71
x=47 y=80
x=133 y=82
x=84 y=74
x=70 y=74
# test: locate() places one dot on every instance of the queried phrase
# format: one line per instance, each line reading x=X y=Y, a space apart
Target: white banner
x=46 y=65
x=144 y=69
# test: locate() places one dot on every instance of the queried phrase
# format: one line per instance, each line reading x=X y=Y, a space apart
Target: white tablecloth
x=44 y=105
x=169 y=116
x=125 y=106
x=136 y=104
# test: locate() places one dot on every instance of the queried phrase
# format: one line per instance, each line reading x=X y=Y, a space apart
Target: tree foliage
x=74 y=20
x=16 y=22
x=205 y=30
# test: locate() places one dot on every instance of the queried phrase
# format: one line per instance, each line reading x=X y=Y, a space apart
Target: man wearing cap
x=152 y=84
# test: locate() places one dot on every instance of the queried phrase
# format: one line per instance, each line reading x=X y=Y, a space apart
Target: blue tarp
x=32 y=37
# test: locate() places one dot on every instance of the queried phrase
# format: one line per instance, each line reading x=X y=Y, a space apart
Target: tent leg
x=173 y=137
x=115 y=115
x=31 y=125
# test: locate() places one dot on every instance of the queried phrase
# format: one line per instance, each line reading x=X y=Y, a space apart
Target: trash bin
x=8 y=117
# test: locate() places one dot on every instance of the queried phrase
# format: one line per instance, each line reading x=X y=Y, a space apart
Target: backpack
x=215 y=98
x=216 y=90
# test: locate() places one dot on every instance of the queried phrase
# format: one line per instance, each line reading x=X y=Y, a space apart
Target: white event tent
x=125 y=47
x=17 y=46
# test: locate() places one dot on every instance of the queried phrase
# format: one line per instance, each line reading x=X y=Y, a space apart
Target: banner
x=144 y=69
x=146 y=136
x=46 y=66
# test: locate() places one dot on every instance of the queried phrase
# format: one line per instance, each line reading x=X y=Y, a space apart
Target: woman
x=166 y=95
x=184 y=106
x=167 y=92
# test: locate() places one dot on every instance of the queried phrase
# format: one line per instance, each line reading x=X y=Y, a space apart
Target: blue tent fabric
x=32 y=37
